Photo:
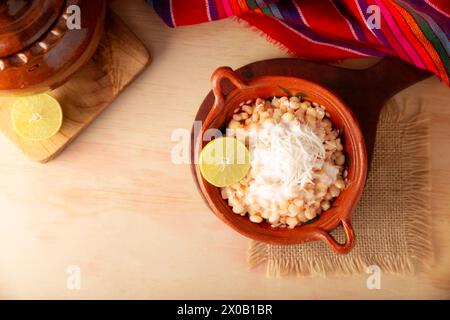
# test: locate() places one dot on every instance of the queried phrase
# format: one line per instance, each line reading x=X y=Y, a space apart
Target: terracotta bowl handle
x=344 y=248
x=216 y=79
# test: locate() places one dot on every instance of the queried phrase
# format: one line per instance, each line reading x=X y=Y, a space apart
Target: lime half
x=224 y=161
x=37 y=117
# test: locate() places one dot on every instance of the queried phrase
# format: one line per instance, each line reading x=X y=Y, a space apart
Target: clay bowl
x=354 y=148
x=40 y=48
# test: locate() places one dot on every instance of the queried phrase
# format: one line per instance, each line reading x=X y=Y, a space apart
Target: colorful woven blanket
x=417 y=31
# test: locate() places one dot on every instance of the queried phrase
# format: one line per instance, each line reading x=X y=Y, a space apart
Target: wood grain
x=115 y=205
x=120 y=57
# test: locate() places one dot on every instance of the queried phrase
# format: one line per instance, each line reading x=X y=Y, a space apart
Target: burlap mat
x=392 y=219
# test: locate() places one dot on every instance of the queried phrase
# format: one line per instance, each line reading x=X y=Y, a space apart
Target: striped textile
x=416 y=30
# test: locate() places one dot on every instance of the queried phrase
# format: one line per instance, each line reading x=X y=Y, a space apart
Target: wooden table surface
x=116 y=206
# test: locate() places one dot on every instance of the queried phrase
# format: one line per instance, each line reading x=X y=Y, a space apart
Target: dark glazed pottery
x=38 y=50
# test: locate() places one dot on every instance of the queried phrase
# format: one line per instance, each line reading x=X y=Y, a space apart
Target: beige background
x=115 y=205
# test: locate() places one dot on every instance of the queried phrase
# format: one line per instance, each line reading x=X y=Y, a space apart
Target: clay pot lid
x=22 y=22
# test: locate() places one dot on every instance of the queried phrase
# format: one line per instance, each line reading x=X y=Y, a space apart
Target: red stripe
x=235 y=7
x=324 y=19
x=409 y=35
x=345 y=21
x=441 y=5
x=371 y=39
x=391 y=38
x=180 y=8
x=294 y=43
x=220 y=9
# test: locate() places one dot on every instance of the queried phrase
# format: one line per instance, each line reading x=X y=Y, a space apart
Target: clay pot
x=354 y=147
x=39 y=49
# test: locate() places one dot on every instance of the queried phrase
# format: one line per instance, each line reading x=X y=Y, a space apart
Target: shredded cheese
x=283 y=158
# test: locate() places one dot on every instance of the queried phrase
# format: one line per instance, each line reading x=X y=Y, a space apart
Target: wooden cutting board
x=119 y=59
x=364 y=91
